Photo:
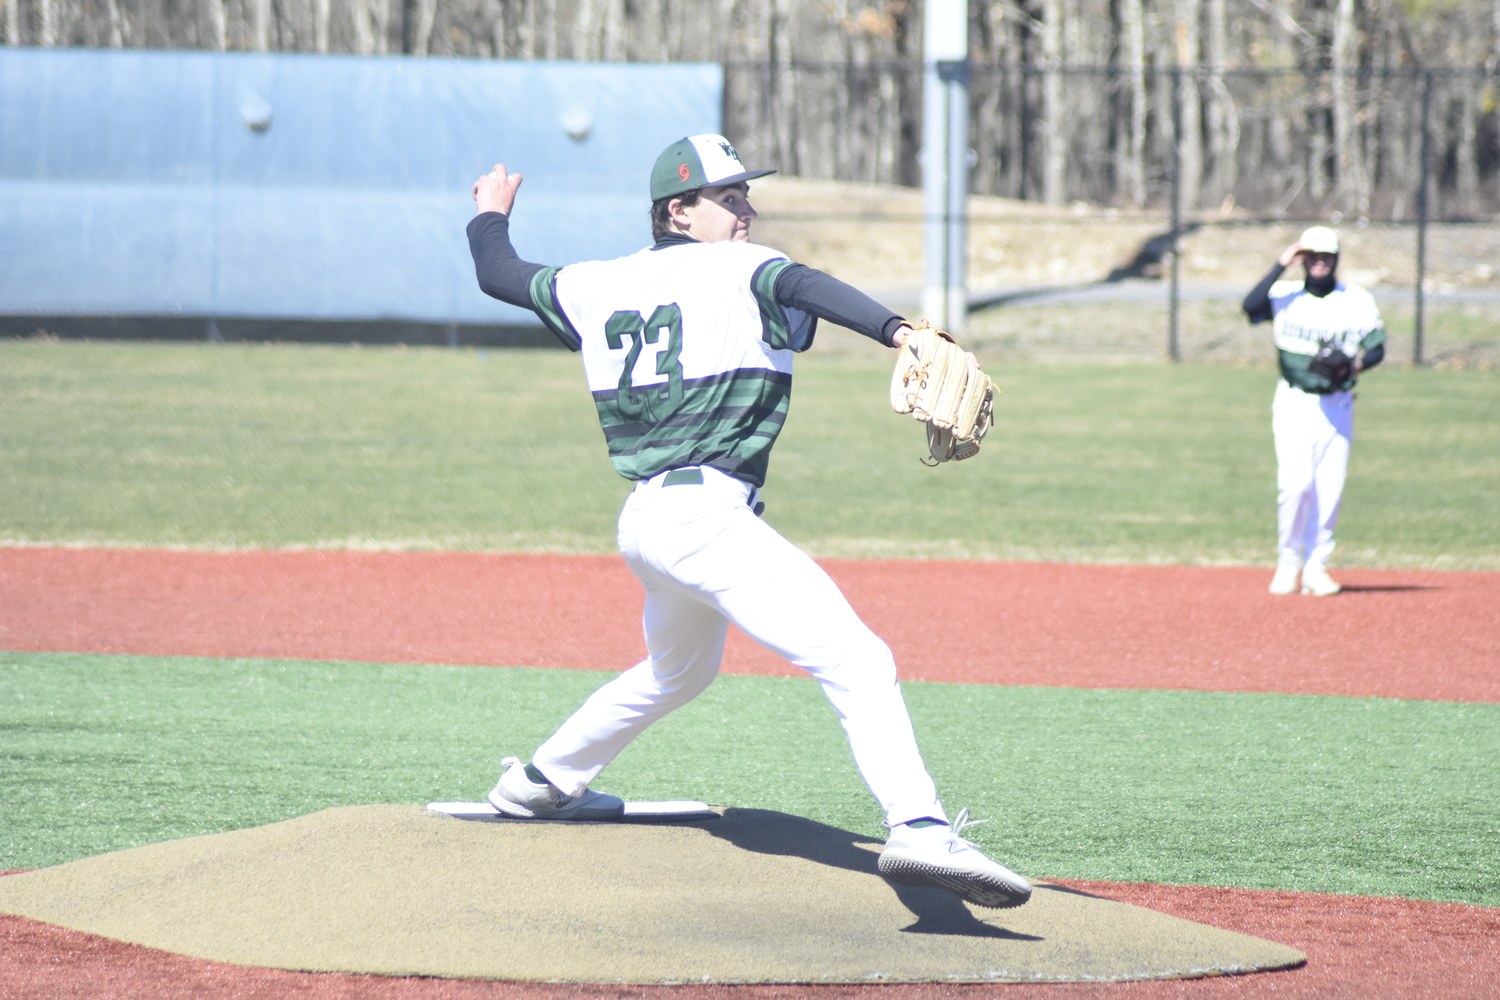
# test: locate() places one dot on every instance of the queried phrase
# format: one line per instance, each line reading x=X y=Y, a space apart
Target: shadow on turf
x=1355 y=588
x=765 y=831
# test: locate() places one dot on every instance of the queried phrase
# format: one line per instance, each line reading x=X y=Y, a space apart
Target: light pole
x=945 y=162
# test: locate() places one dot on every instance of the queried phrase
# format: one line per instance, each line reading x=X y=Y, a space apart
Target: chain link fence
x=1125 y=211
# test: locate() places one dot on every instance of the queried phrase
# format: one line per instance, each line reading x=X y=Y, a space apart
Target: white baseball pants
x=706 y=560
x=1313 y=434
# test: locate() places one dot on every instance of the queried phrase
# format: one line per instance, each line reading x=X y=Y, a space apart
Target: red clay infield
x=1401 y=634
x=1393 y=633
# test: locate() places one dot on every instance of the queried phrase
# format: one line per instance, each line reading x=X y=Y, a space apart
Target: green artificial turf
x=1343 y=795
x=278 y=446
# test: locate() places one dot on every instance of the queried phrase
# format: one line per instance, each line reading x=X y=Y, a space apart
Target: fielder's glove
x=938 y=384
x=1331 y=363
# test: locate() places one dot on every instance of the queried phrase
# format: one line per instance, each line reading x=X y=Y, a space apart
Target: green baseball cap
x=698 y=161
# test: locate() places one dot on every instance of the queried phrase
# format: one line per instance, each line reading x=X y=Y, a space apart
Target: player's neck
x=673 y=239
x=1321 y=286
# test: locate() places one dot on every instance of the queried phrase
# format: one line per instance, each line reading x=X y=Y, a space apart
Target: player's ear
x=678 y=216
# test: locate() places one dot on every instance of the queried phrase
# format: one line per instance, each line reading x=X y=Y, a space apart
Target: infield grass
x=204 y=446
x=1342 y=795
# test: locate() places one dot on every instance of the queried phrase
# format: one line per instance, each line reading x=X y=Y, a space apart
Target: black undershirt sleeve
x=1372 y=357
x=828 y=298
x=1258 y=303
x=502 y=273
x=505 y=276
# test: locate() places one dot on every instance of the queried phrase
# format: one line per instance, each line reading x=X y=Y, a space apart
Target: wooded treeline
x=1278 y=106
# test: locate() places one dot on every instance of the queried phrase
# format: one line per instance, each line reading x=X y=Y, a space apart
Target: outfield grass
x=1343 y=795
x=239 y=446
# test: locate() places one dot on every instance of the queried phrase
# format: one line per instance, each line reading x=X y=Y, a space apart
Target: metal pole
x=955 y=77
x=1421 y=317
x=1173 y=351
x=945 y=118
x=934 y=199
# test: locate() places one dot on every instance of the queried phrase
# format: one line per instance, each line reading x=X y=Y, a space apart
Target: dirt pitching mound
x=754 y=897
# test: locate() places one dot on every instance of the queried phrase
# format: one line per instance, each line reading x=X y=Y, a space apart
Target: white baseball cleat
x=1317 y=582
x=936 y=857
x=1285 y=580
x=519 y=797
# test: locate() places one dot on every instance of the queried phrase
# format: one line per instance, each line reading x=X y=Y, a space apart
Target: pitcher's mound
x=753 y=897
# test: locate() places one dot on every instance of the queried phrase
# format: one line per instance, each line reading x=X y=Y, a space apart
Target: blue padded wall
x=131 y=183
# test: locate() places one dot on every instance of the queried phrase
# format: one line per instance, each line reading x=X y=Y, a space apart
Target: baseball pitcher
x=687 y=348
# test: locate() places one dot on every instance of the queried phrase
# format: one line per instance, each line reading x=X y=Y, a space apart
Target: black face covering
x=1322 y=286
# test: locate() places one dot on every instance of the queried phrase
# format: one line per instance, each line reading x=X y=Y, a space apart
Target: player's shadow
x=765 y=831
x=1356 y=588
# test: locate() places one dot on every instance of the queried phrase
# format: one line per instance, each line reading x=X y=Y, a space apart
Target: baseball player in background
x=687 y=349
x=1326 y=333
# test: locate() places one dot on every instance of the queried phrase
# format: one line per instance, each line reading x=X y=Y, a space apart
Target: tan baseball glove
x=939 y=384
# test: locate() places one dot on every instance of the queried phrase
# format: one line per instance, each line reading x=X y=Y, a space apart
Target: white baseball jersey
x=1346 y=317
x=687 y=353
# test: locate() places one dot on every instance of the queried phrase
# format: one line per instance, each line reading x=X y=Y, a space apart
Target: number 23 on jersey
x=655 y=401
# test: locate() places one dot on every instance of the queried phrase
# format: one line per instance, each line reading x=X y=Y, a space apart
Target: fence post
x=1173 y=351
x=1426 y=169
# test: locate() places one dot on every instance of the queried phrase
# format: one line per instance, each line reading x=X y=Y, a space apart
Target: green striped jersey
x=687 y=353
x=1303 y=322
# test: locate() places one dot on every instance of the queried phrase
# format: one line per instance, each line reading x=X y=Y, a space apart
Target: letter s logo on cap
x=684 y=172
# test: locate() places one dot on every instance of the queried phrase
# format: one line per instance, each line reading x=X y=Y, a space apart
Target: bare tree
x=1134 y=18
x=322 y=21
x=372 y=22
x=421 y=35
x=116 y=24
x=585 y=41
x=614 y=45
x=46 y=12
x=1349 y=172
x=218 y=25
x=987 y=89
x=1191 y=139
x=1223 y=121
x=1287 y=105
x=784 y=87
x=495 y=14
x=1054 y=140
x=260 y=25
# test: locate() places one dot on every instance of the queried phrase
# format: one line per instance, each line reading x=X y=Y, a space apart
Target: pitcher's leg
x=783 y=600
x=685 y=643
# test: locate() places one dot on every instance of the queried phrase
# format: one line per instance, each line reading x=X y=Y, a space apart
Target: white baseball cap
x=698 y=161
x=1320 y=239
